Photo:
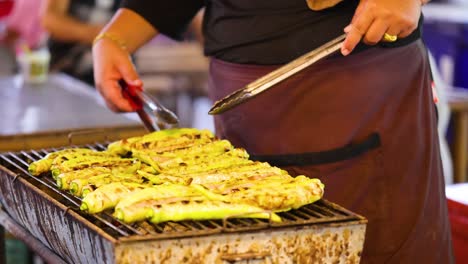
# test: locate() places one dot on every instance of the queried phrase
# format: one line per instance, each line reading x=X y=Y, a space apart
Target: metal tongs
x=153 y=114
x=264 y=83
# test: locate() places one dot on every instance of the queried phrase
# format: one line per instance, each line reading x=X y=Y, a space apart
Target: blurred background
x=47 y=91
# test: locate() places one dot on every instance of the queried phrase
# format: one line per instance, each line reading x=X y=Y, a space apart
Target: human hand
x=111 y=64
x=374 y=18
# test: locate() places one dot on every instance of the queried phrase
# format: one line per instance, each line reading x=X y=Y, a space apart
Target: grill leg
x=2 y=245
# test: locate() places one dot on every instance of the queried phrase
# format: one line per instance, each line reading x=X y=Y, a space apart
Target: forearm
x=68 y=29
x=130 y=28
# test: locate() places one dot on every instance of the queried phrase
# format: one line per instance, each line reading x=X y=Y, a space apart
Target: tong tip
x=168 y=117
x=214 y=111
x=230 y=102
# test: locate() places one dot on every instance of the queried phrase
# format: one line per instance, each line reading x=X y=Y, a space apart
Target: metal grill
x=319 y=212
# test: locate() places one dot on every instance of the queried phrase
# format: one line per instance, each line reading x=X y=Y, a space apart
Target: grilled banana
x=280 y=196
x=164 y=140
x=107 y=196
x=78 y=185
x=43 y=165
x=64 y=179
x=127 y=211
x=115 y=164
x=164 y=178
x=203 y=209
x=174 y=175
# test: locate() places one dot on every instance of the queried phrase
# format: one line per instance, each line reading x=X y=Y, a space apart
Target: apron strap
x=315 y=158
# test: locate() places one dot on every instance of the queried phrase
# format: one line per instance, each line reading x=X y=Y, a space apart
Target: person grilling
x=362 y=121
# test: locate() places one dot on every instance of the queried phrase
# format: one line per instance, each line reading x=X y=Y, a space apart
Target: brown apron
x=366 y=126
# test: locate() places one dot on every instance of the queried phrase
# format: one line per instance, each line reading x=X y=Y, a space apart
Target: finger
x=375 y=32
x=112 y=107
x=407 y=26
x=356 y=30
x=129 y=73
x=112 y=94
x=406 y=32
x=360 y=8
x=352 y=39
x=394 y=31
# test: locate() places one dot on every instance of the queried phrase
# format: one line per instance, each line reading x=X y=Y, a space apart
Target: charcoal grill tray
x=28 y=199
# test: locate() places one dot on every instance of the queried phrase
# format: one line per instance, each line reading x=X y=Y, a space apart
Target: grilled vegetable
x=77 y=185
x=147 y=169
x=237 y=184
x=275 y=194
x=178 y=174
x=164 y=140
x=127 y=211
x=188 y=161
x=208 y=165
x=175 y=203
x=217 y=146
x=70 y=158
x=115 y=164
x=164 y=178
x=82 y=156
x=280 y=196
x=229 y=168
x=162 y=160
x=202 y=209
x=64 y=179
x=203 y=162
x=107 y=196
x=43 y=165
x=223 y=179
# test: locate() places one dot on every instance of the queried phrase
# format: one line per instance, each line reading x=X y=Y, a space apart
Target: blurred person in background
x=23 y=24
x=72 y=25
x=22 y=29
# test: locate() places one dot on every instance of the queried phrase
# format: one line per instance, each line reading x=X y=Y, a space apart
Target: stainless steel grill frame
x=323 y=229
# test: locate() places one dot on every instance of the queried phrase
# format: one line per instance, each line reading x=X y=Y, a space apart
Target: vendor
x=364 y=122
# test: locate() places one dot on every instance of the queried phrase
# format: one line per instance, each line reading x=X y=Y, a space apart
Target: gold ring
x=389 y=38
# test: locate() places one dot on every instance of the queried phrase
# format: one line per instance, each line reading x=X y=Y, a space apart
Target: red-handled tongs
x=154 y=115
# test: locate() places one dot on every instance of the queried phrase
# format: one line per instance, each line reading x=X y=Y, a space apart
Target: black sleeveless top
x=252 y=31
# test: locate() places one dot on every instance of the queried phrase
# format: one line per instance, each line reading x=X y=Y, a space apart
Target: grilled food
x=176 y=203
x=64 y=179
x=133 y=209
x=174 y=175
x=273 y=193
x=115 y=164
x=43 y=165
x=162 y=141
x=280 y=195
x=189 y=156
x=107 y=196
x=77 y=186
x=202 y=209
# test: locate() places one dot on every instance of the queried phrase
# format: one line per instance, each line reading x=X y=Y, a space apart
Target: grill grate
x=318 y=212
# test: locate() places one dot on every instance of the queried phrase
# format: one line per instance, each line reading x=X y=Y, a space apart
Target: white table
x=44 y=115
